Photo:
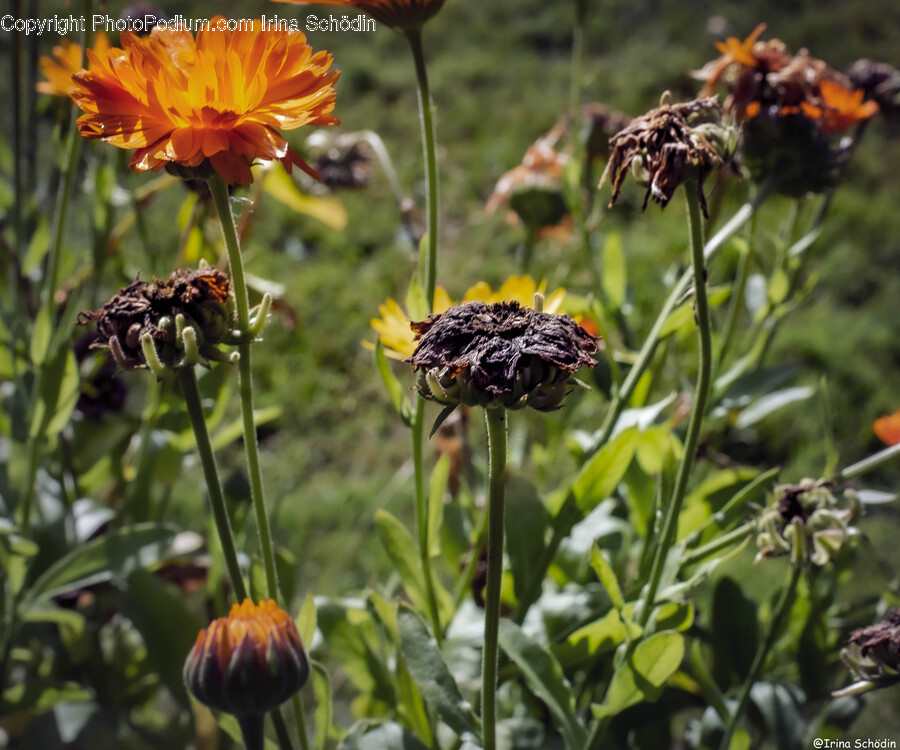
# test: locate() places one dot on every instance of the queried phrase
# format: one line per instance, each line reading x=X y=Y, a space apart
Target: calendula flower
x=396 y=335
x=888 y=428
x=808 y=522
x=248 y=663
x=669 y=145
x=65 y=63
x=166 y=324
x=872 y=655
x=211 y=104
x=499 y=354
x=398 y=14
x=840 y=107
x=533 y=190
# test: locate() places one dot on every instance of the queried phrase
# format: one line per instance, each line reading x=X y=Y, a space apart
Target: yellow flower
x=396 y=335
x=215 y=102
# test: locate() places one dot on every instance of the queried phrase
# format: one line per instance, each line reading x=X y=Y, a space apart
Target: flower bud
x=872 y=655
x=248 y=663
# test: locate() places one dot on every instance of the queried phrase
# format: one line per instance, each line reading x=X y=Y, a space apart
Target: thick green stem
x=496 y=432
x=698 y=409
x=778 y=615
x=191 y=394
x=425 y=113
x=219 y=191
x=418 y=428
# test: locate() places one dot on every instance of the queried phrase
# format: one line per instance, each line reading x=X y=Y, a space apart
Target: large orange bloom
x=217 y=100
x=888 y=428
x=402 y=14
x=66 y=62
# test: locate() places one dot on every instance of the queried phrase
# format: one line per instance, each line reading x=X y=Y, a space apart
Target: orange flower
x=733 y=51
x=66 y=62
x=249 y=662
x=401 y=14
x=217 y=101
x=888 y=428
x=841 y=107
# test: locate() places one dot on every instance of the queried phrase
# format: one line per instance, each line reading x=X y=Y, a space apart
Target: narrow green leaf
x=66 y=396
x=607 y=577
x=431 y=675
x=401 y=548
x=114 y=555
x=526 y=522
x=595 y=639
x=654 y=661
x=545 y=678
x=40 y=336
x=600 y=476
x=438 y=486
x=764 y=406
x=614 y=270
x=391 y=382
x=38 y=247
x=306 y=621
x=417 y=306
x=324 y=709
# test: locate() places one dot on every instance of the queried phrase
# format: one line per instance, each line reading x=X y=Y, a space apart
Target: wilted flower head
x=342 y=160
x=888 y=428
x=499 y=354
x=183 y=318
x=399 y=14
x=533 y=190
x=396 y=335
x=211 y=104
x=65 y=63
x=880 y=82
x=807 y=522
x=872 y=655
x=669 y=145
x=599 y=124
x=248 y=663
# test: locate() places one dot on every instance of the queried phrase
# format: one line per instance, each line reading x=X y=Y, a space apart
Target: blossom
x=248 y=663
x=401 y=14
x=396 y=335
x=499 y=355
x=888 y=428
x=840 y=107
x=669 y=145
x=214 y=103
x=66 y=62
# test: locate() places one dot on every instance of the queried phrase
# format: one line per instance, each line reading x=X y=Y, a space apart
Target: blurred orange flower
x=888 y=428
x=841 y=107
x=401 y=14
x=66 y=62
x=216 y=101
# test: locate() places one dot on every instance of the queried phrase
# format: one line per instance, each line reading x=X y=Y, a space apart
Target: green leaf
x=391 y=382
x=607 y=577
x=66 y=396
x=600 y=476
x=778 y=287
x=306 y=621
x=38 y=695
x=431 y=675
x=386 y=736
x=596 y=639
x=38 y=247
x=735 y=632
x=235 y=430
x=417 y=306
x=324 y=707
x=40 y=336
x=437 y=487
x=545 y=678
x=614 y=270
x=114 y=555
x=59 y=389
x=231 y=727
x=330 y=211
x=763 y=407
x=757 y=382
x=401 y=548
x=526 y=520
x=654 y=661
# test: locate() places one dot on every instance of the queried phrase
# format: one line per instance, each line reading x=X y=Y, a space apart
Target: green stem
x=301 y=721
x=577 y=59
x=778 y=615
x=719 y=543
x=496 y=432
x=189 y=390
x=414 y=36
x=418 y=429
x=219 y=191
x=698 y=409
x=870 y=463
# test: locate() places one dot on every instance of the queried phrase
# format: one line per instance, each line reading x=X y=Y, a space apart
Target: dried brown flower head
x=669 y=145
x=342 y=160
x=873 y=655
x=163 y=310
x=499 y=354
